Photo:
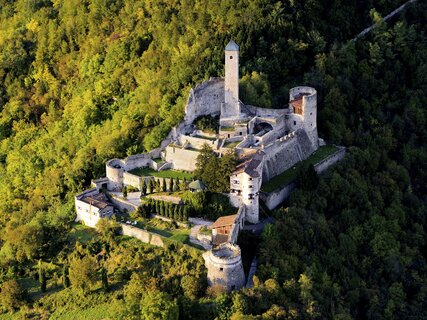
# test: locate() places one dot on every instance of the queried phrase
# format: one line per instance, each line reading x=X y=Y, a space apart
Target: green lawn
x=231 y=144
x=290 y=175
x=158 y=160
x=144 y=172
x=165 y=229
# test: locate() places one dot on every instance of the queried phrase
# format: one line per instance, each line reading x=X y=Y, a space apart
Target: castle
x=267 y=142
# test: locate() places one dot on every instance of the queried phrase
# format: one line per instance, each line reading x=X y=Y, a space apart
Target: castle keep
x=267 y=142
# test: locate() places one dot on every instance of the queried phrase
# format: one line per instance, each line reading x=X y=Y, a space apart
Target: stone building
x=224 y=264
x=92 y=206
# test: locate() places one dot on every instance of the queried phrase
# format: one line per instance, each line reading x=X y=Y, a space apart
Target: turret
x=303 y=103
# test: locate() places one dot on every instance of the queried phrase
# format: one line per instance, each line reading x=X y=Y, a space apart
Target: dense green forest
x=84 y=81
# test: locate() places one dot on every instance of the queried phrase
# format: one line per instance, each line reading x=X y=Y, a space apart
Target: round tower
x=231 y=107
x=224 y=264
x=303 y=101
x=114 y=170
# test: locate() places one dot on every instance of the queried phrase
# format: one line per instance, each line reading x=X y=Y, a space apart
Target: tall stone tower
x=231 y=107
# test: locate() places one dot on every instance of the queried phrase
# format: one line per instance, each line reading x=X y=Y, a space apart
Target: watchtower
x=231 y=107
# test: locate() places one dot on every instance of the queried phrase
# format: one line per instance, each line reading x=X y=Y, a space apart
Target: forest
x=84 y=81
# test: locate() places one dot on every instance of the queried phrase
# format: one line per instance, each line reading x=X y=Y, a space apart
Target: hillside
x=85 y=81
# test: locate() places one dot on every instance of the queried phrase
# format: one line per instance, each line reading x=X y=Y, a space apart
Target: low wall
x=273 y=199
x=142 y=235
x=122 y=204
x=326 y=163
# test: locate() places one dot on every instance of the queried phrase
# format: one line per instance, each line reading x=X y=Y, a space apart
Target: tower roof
x=232 y=46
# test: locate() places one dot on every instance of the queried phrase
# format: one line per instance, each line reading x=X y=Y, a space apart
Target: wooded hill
x=85 y=81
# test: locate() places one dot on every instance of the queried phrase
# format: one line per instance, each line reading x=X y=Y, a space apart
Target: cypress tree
x=65 y=278
x=157 y=207
x=171 y=184
x=42 y=277
x=104 y=279
x=164 y=185
x=158 y=185
x=143 y=188
x=175 y=212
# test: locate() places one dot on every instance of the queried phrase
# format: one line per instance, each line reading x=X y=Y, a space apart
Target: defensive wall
x=273 y=199
x=283 y=153
x=204 y=99
x=182 y=159
x=237 y=225
x=142 y=235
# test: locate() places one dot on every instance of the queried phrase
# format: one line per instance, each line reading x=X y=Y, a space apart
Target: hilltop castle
x=267 y=142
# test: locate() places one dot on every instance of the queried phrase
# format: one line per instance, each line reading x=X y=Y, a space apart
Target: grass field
x=144 y=172
x=231 y=144
x=290 y=175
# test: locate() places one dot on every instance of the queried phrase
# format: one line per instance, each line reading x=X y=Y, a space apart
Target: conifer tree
x=42 y=277
x=164 y=185
x=171 y=184
x=143 y=188
x=65 y=278
x=104 y=279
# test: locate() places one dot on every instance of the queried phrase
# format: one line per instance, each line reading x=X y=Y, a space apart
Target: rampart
x=183 y=159
x=273 y=199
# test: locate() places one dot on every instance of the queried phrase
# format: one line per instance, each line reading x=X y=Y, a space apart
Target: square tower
x=231 y=106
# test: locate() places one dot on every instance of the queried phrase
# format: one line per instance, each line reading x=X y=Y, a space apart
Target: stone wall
x=142 y=235
x=204 y=99
x=196 y=142
x=123 y=204
x=237 y=225
x=265 y=112
x=273 y=199
x=130 y=179
x=325 y=164
x=183 y=159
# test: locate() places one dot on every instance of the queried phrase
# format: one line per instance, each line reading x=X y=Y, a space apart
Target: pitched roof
x=232 y=46
x=224 y=221
x=96 y=203
x=197 y=185
x=250 y=166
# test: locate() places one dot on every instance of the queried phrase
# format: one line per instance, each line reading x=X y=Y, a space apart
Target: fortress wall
x=325 y=164
x=264 y=112
x=182 y=159
x=137 y=233
x=280 y=157
x=122 y=204
x=273 y=199
x=205 y=99
x=197 y=143
x=142 y=235
x=237 y=225
x=130 y=179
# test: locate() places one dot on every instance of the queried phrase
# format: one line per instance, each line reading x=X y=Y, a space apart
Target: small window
x=221 y=269
x=231 y=57
x=311 y=113
x=228 y=135
x=240 y=132
x=250 y=179
x=295 y=123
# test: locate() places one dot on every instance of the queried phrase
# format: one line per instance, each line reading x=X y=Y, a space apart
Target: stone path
x=198 y=223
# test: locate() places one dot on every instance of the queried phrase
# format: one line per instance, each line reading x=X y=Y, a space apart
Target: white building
x=92 y=206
